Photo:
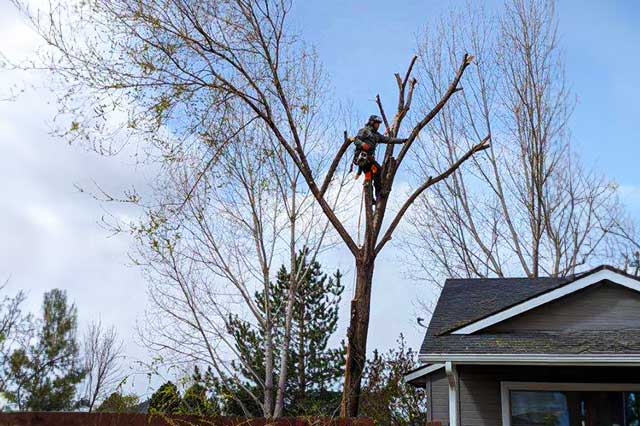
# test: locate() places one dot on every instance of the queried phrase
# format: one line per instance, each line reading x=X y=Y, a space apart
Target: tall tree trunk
x=268 y=379
x=357 y=337
x=294 y=276
x=268 y=351
x=284 y=354
x=302 y=344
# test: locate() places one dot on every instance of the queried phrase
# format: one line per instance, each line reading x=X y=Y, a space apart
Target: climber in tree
x=366 y=142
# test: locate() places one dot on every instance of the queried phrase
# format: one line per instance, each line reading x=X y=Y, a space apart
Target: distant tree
x=385 y=396
x=314 y=369
x=102 y=352
x=119 y=403
x=527 y=206
x=13 y=323
x=628 y=231
x=46 y=370
x=166 y=399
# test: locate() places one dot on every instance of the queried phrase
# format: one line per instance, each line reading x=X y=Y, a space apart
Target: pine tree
x=45 y=373
x=314 y=369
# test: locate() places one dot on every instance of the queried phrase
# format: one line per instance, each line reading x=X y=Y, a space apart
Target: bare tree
x=212 y=247
x=528 y=207
x=13 y=326
x=627 y=232
x=102 y=354
x=187 y=66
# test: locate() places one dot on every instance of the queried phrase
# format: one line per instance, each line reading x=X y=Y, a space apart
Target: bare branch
x=453 y=88
x=484 y=144
x=334 y=164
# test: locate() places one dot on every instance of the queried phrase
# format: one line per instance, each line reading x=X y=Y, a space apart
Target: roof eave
x=534 y=359
x=412 y=377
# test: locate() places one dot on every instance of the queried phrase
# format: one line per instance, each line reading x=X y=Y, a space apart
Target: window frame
x=506 y=387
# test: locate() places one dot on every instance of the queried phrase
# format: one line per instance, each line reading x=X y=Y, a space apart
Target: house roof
x=468 y=305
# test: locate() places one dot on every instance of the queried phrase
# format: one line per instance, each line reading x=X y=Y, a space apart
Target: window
x=545 y=408
x=570 y=404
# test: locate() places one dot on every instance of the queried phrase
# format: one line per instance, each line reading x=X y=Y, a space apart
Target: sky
x=50 y=233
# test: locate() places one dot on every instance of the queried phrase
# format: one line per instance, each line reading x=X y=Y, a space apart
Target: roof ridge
x=546 y=277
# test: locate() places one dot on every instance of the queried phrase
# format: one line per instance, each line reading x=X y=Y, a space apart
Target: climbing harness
x=361 y=158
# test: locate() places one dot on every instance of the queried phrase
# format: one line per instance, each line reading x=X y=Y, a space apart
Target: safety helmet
x=374 y=119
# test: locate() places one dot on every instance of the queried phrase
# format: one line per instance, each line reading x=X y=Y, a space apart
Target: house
x=534 y=351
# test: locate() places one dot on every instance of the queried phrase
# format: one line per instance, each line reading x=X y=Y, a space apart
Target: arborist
x=366 y=142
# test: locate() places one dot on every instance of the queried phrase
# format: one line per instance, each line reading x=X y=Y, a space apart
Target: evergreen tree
x=46 y=370
x=119 y=403
x=195 y=400
x=314 y=369
x=165 y=400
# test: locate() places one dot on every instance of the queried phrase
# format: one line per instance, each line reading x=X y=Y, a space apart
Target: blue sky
x=49 y=233
x=363 y=43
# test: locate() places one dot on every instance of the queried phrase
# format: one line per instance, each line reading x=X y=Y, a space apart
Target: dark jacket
x=367 y=135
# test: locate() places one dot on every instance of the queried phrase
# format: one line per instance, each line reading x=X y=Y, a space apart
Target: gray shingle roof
x=464 y=301
x=583 y=342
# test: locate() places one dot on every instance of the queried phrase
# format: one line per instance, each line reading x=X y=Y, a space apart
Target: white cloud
x=49 y=232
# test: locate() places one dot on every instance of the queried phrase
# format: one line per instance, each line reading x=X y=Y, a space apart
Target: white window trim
x=579 y=284
x=506 y=387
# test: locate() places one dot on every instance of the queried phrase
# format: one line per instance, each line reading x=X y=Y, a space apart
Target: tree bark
x=357 y=336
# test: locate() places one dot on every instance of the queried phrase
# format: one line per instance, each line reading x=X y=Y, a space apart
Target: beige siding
x=601 y=307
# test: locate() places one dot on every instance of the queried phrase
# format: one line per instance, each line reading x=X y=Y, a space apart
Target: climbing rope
x=360 y=216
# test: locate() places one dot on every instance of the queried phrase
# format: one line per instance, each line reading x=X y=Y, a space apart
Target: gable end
x=588 y=280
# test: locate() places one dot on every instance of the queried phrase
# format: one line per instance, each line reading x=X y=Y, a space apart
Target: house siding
x=479 y=386
x=479 y=394
x=439 y=397
x=604 y=306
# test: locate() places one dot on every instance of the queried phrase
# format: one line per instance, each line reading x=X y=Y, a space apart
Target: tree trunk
x=302 y=344
x=357 y=337
x=291 y=297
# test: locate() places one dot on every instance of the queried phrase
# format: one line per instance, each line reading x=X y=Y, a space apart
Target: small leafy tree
x=165 y=400
x=385 y=396
x=46 y=370
x=196 y=400
x=119 y=403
